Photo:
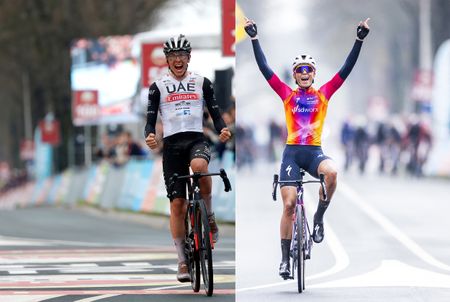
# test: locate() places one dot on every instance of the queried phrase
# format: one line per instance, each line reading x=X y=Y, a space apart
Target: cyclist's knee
x=289 y=195
x=289 y=202
x=199 y=165
x=331 y=177
x=289 y=207
x=178 y=207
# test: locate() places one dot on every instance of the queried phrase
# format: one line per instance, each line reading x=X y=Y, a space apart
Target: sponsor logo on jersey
x=183 y=97
x=171 y=88
x=302 y=109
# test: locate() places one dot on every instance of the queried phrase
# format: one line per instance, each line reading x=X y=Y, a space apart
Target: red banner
x=228 y=27
x=85 y=108
x=154 y=63
x=50 y=132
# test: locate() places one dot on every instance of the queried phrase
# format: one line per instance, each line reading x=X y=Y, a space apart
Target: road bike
x=301 y=243
x=199 y=241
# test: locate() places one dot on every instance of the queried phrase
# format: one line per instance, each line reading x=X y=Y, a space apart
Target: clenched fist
x=224 y=135
x=151 y=142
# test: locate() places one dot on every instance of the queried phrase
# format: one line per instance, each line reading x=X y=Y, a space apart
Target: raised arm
x=252 y=31
x=274 y=81
x=330 y=87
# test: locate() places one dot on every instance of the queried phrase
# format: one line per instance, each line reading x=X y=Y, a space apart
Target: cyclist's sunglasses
x=178 y=54
x=303 y=68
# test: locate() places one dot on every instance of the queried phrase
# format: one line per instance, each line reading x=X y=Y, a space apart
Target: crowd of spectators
x=11 y=178
x=104 y=50
x=118 y=149
x=401 y=142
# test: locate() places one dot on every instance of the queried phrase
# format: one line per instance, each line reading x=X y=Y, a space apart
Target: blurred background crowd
x=397 y=145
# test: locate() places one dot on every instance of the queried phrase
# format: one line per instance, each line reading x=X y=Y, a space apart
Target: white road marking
x=21 y=272
x=96 y=298
x=6 y=241
x=392 y=273
x=389 y=227
x=8 y=267
x=105 y=269
x=83 y=265
x=139 y=264
x=170 y=287
x=20 y=298
x=78 y=277
x=23 y=241
x=54 y=257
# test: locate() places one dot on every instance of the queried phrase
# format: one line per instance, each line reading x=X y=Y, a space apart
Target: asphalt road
x=59 y=255
x=386 y=240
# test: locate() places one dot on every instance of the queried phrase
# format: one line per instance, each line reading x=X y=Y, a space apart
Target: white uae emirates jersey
x=181 y=104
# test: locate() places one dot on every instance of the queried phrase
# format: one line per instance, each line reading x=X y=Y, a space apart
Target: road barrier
x=136 y=186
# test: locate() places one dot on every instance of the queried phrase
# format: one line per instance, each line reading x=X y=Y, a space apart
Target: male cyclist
x=305 y=109
x=180 y=97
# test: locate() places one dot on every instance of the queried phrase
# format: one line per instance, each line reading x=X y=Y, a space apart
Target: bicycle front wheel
x=300 y=221
x=192 y=253
x=205 y=251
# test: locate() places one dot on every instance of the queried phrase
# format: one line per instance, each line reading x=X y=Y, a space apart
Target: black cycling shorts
x=178 y=151
x=296 y=157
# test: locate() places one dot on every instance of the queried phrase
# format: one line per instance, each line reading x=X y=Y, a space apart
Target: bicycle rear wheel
x=300 y=218
x=205 y=251
x=192 y=254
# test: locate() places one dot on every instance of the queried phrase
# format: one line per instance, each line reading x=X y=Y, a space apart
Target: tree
x=35 y=37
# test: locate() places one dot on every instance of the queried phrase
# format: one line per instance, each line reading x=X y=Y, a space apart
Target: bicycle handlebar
x=197 y=176
x=275 y=185
x=298 y=182
x=226 y=180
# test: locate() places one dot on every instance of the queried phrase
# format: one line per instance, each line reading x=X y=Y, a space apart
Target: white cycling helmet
x=303 y=59
x=179 y=43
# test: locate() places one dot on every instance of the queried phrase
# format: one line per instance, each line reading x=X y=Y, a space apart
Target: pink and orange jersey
x=305 y=110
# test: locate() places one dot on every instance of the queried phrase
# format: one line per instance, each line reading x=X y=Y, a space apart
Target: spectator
x=347 y=141
x=133 y=148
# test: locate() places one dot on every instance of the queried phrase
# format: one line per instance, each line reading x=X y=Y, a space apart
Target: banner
x=228 y=28
x=85 y=108
x=154 y=63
